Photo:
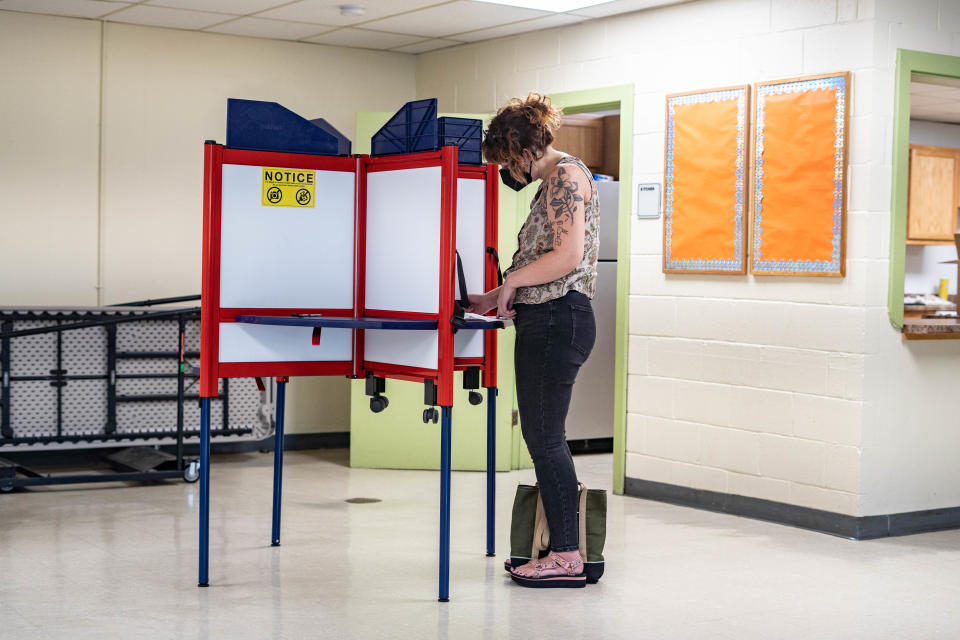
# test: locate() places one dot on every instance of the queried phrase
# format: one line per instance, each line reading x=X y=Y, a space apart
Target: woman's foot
x=557 y=563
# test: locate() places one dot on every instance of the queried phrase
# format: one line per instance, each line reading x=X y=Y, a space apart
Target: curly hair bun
x=538 y=109
x=521 y=124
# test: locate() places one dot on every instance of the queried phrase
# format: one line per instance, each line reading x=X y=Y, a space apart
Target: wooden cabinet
x=594 y=139
x=582 y=137
x=934 y=194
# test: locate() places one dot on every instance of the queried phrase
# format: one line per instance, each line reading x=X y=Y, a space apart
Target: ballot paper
x=477 y=316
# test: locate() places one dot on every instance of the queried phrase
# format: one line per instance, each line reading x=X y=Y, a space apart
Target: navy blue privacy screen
x=415 y=127
x=464 y=133
x=345 y=145
x=268 y=126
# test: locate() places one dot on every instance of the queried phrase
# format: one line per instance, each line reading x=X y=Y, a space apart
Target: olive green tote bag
x=530 y=535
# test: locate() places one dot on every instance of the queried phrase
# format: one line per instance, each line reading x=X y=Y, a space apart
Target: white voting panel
x=286 y=257
x=272 y=343
x=407 y=348
x=403 y=241
x=468 y=344
x=472 y=246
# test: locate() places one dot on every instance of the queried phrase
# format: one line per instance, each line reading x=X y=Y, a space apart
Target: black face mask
x=512 y=182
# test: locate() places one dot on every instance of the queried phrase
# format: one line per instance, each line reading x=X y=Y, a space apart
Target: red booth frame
x=211 y=314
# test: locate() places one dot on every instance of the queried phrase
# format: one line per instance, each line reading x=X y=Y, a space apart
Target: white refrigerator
x=591 y=407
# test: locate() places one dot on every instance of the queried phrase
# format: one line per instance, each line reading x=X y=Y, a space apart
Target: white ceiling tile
x=328 y=11
x=164 y=17
x=237 y=7
x=263 y=28
x=557 y=6
x=622 y=6
x=364 y=39
x=519 y=27
x=69 y=8
x=427 y=45
x=455 y=17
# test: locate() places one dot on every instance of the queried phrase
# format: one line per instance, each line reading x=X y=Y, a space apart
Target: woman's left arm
x=565 y=192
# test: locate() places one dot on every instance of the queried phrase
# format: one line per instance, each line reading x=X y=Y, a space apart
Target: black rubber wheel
x=475 y=398
x=378 y=404
x=7 y=488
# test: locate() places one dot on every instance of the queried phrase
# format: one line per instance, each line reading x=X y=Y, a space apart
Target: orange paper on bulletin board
x=705 y=190
x=799 y=176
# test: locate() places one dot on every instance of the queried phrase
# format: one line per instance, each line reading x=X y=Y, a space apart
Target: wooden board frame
x=836 y=268
x=738 y=265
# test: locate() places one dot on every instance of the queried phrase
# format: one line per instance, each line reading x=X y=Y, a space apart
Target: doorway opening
x=924 y=231
x=594 y=137
x=607 y=151
x=933 y=238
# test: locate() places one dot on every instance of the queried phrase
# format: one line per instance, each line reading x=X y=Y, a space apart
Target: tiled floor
x=120 y=562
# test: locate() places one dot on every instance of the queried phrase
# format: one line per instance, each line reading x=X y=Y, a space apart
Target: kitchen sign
x=648 y=200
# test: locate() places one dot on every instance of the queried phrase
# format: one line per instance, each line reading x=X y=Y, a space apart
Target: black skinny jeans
x=553 y=340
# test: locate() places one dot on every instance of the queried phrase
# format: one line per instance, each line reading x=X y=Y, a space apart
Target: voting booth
x=320 y=263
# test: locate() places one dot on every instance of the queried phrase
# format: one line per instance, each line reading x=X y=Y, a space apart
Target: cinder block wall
x=749 y=385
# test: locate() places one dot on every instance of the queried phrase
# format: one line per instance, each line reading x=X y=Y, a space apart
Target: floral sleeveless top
x=537 y=234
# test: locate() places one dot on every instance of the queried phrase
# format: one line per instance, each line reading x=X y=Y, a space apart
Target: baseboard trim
x=590 y=445
x=291 y=442
x=838 y=524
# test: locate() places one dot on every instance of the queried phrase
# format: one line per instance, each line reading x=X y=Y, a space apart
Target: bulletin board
x=705 y=186
x=799 y=176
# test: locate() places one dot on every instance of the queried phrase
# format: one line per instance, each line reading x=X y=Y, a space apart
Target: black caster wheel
x=192 y=471
x=430 y=415
x=378 y=404
x=475 y=398
x=7 y=488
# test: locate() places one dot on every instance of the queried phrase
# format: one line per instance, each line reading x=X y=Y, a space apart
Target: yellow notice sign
x=288 y=187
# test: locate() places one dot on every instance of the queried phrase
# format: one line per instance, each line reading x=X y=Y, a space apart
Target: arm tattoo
x=563 y=200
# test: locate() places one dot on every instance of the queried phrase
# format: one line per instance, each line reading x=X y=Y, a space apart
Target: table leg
x=204 y=579
x=445 y=432
x=491 y=466
x=278 y=461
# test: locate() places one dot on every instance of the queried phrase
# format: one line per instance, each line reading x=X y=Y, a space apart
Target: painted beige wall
x=49 y=155
x=164 y=93
x=789 y=389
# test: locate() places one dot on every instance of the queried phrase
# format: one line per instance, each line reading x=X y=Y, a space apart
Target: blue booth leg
x=445 y=428
x=491 y=465
x=204 y=578
x=278 y=462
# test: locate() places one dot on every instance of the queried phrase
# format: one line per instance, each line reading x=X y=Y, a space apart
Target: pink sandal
x=571 y=578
